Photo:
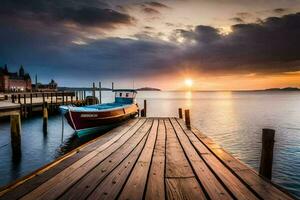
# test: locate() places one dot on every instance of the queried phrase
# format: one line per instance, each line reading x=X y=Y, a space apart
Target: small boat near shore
x=88 y=119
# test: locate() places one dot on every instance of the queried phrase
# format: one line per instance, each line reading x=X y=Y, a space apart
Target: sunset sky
x=219 y=44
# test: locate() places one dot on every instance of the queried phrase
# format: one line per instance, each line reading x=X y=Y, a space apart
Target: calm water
x=233 y=119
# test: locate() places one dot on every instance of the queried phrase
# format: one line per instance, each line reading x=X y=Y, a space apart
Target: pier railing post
x=187 y=118
x=15 y=132
x=145 y=108
x=180 y=113
x=266 y=159
x=45 y=118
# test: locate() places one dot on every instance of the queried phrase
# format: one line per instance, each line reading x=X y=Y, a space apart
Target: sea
x=232 y=119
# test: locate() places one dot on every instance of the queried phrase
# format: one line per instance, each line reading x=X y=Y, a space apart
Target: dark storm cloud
x=89 y=13
x=272 y=46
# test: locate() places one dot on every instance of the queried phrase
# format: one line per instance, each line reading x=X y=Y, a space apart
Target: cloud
x=151 y=11
x=157 y=4
x=280 y=10
x=268 y=47
x=237 y=19
x=84 y=13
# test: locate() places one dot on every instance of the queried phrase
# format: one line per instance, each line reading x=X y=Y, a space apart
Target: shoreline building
x=14 y=81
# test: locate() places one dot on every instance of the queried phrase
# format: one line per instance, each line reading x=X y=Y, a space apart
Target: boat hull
x=90 y=121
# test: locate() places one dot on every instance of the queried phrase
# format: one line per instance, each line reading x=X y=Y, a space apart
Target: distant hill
x=148 y=89
x=283 y=89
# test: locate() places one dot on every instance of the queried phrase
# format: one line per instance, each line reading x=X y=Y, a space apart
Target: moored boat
x=88 y=119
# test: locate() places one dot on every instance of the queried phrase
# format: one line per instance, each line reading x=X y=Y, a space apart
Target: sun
x=188 y=82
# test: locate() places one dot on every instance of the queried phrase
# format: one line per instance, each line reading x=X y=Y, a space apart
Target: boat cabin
x=125 y=96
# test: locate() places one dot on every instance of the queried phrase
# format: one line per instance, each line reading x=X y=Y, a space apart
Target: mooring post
x=100 y=95
x=63 y=97
x=15 y=132
x=187 y=118
x=13 y=98
x=45 y=118
x=145 y=108
x=51 y=102
x=180 y=113
x=76 y=93
x=84 y=95
x=25 y=106
x=266 y=159
x=19 y=98
x=112 y=86
x=43 y=95
x=30 y=103
x=94 y=90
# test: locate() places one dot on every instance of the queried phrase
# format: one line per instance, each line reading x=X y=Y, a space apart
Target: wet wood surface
x=146 y=158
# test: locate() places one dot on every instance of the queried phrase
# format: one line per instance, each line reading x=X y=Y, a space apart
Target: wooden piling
x=15 y=132
x=100 y=93
x=63 y=98
x=145 y=108
x=19 y=98
x=30 y=103
x=43 y=95
x=13 y=98
x=84 y=95
x=112 y=86
x=94 y=90
x=25 y=107
x=187 y=118
x=266 y=159
x=180 y=113
x=45 y=118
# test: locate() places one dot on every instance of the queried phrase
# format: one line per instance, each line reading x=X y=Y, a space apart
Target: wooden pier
x=146 y=158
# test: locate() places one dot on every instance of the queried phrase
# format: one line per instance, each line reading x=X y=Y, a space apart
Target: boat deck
x=146 y=158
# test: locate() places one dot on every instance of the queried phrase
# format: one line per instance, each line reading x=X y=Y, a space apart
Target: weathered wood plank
x=42 y=175
x=211 y=184
x=176 y=162
x=62 y=181
x=180 y=179
x=135 y=185
x=262 y=187
x=111 y=186
x=183 y=188
x=90 y=181
x=155 y=185
x=232 y=183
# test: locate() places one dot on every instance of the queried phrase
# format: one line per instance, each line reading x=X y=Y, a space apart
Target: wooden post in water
x=45 y=118
x=30 y=103
x=187 y=118
x=100 y=95
x=94 y=90
x=145 y=108
x=266 y=158
x=112 y=86
x=84 y=95
x=19 y=98
x=15 y=133
x=25 y=106
x=63 y=98
x=180 y=113
x=43 y=95
x=13 y=98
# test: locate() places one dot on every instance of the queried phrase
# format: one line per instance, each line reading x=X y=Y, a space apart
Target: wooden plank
x=232 y=183
x=135 y=185
x=155 y=184
x=210 y=183
x=183 y=188
x=89 y=182
x=176 y=162
x=59 y=183
x=111 y=186
x=40 y=176
x=262 y=187
x=180 y=179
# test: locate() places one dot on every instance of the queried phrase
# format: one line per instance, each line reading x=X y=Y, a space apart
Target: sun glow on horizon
x=188 y=82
